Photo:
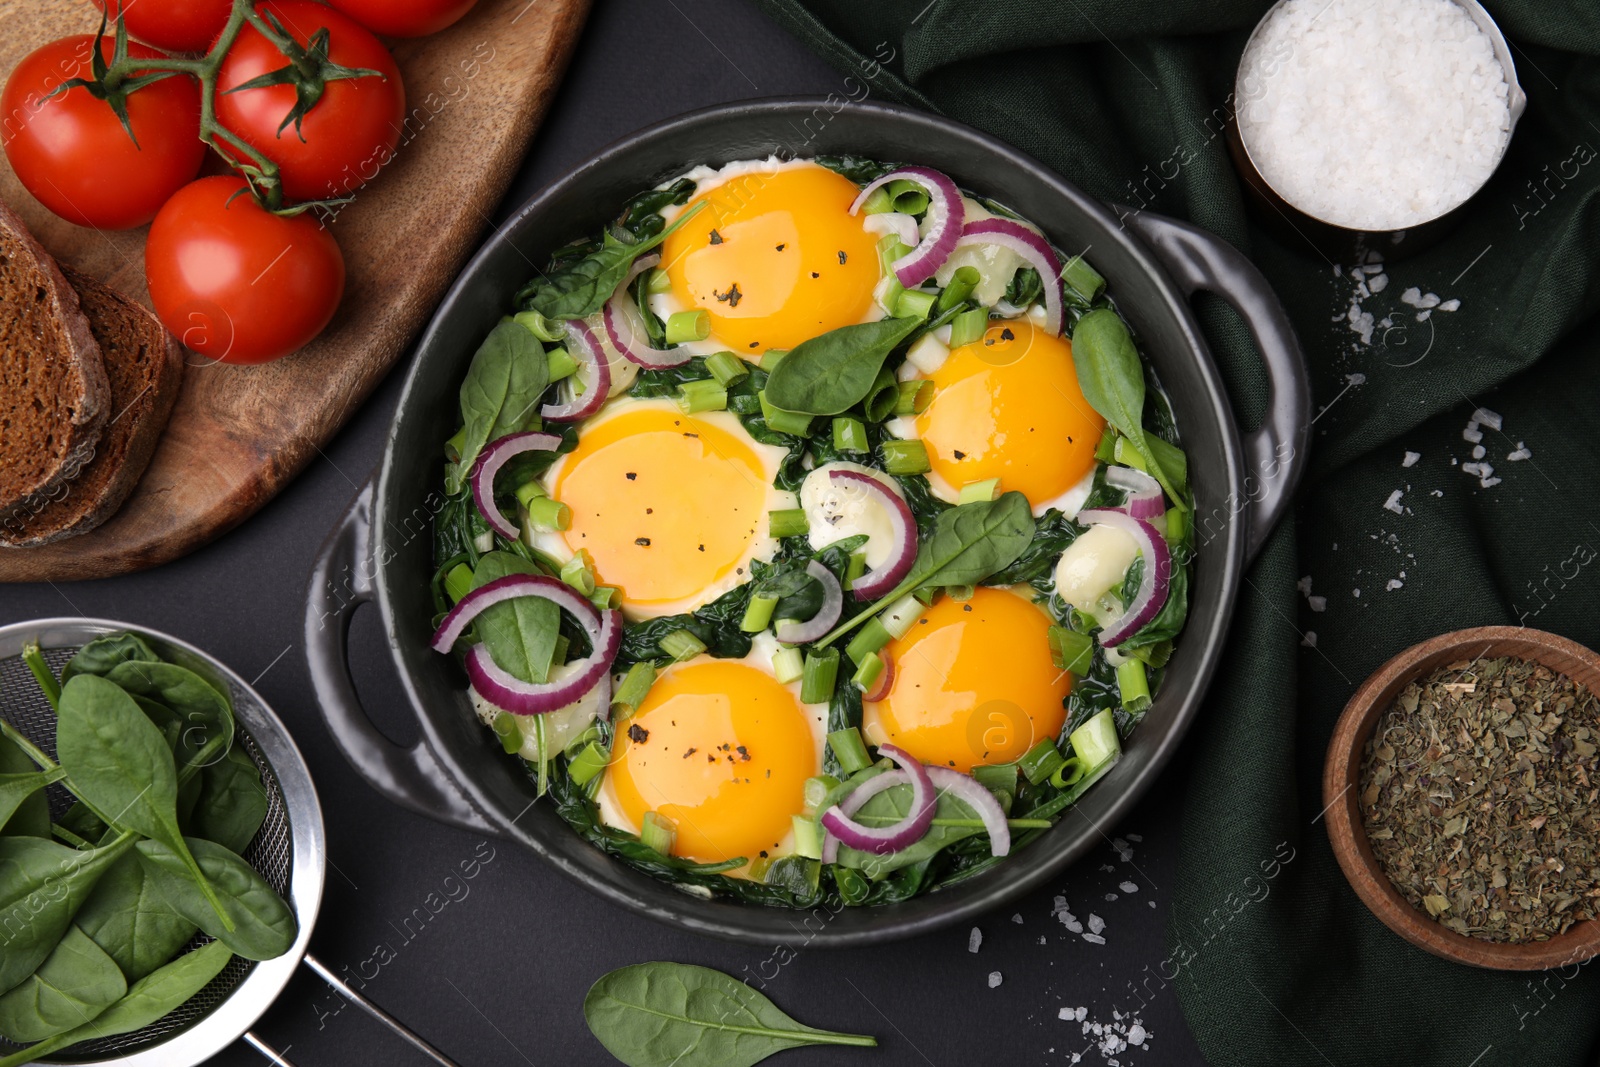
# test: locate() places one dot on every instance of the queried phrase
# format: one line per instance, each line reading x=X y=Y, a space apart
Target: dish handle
x=1275 y=452
x=342 y=581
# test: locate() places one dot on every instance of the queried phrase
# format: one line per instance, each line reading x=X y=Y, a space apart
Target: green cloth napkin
x=1292 y=969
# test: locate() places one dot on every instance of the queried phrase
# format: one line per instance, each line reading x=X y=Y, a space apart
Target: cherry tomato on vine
x=351 y=130
x=235 y=282
x=404 y=18
x=176 y=25
x=72 y=152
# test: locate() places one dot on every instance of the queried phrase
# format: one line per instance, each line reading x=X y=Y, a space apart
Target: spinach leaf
x=131 y=921
x=1169 y=620
x=119 y=764
x=1053 y=532
x=501 y=392
x=893 y=805
x=72 y=986
x=1112 y=379
x=716 y=625
x=666 y=1014
x=232 y=804
x=833 y=372
x=42 y=885
x=22 y=794
x=204 y=716
x=1024 y=288
x=103 y=653
x=858 y=169
x=521 y=633
x=147 y=1000
x=969 y=543
x=263 y=927
x=578 y=289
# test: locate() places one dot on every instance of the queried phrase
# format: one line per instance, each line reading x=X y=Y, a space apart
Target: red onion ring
x=853 y=801
x=946 y=216
x=583 y=346
x=972 y=792
x=882 y=840
x=1152 y=592
x=903 y=530
x=880 y=688
x=512 y=586
x=1034 y=249
x=511 y=693
x=624 y=327
x=490 y=460
x=803 y=633
x=1144 y=492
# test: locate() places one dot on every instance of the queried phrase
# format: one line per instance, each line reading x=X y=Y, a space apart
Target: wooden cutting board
x=476 y=93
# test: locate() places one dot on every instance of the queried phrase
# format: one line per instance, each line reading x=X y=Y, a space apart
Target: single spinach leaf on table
x=520 y=634
x=42 y=886
x=119 y=763
x=578 y=289
x=232 y=804
x=834 y=371
x=204 y=716
x=500 y=394
x=104 y=653
x=74 y=984
x=131 y=921
x=665 y=1014
x=147 y=1000
x=1111 y=376
x=263 y=927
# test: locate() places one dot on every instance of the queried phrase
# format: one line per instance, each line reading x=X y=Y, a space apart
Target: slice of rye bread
x=54 y=397
x=144 y=364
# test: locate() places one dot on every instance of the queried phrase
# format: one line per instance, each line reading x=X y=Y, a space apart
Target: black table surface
x=497 y=975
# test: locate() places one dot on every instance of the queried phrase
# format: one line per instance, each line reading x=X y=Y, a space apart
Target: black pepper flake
x=814 y=274
x=702 y=548
x=782 y=247
x=958 y=454
x=691 y=752
x=716 y=238
x=649 y=511
x=988 y=340
x=966 y=607
x=842 y=257
x=632 y=475
x=724 y=747
x=1007 y=335
x=731 y=297
x=744 y=753
x=642 y=542
x=755 y=344
x=638 y=734
x=764 y=851
x=686 y=433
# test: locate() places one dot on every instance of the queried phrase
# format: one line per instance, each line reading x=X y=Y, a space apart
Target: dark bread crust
x=144 y=365
x=55 y=398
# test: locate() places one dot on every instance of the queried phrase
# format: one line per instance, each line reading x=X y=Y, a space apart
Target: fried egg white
x=774 y=258
x=671 y=508
x=723 y=749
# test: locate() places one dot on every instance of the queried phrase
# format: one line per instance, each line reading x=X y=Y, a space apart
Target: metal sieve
x=290 y=852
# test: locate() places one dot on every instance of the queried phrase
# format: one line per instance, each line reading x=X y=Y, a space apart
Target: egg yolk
x=666 y=504
x=973 y=683
x=721 y=749
x=775 y=258
x=1008 y=406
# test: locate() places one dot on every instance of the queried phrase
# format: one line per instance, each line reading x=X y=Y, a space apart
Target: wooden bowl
x=1341 y=794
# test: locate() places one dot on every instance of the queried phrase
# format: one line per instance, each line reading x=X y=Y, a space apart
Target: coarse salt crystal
x=1393 y=503
x=1094 y=939
x=1317 y=603
x=1128 y=887
x=1520 y=454
x=1472 y=433
x=994 y=979
x=1485 y=417
x=1378 y=284
x=1450 y=305
x=1096 y=924
x=1393 y=584
x=1304 y=585
x=1478 y=451
x=1308 y=641
x=1410 y=459
x=974 y=939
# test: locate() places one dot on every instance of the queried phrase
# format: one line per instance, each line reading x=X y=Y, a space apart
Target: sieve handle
x=342 y=581
x=1275 y=453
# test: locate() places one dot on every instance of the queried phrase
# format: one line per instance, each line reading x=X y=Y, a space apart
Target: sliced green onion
x=605 y=597
x=658 y=832
x=850 y=435
x=458 y=583
x=1134 y=685
x=807 y=838
x=969 y=326
x=1071 y=650
x=817 y=789
x=869 y=639
x=530 y=491
x=684 y=326
x=682 y=645
x=972 y=492
x=820 y=674
x=850 y=750
x=1041 y=761
x=635 y=684
x=1094 y=744
x=879 y=201
x=1174 y=461
x=914 y=304
x=854 y=887
x=788 y=665
x=914 y=398
x=868 y=672
x=926 y=595
x=1125 y=452
x=998 y=777
x=890 y=248
x=910 y=198
x=758 y=613
x=452 y=447
x=574 y=746
x=1177 y=524
x=854 y=568
x=902 y=615
x=962 y=282
x=905 y=457
x=791 y=422
x=588 y=763
x=882 y=397
x=541 y=327
x=788 y=522
x=549 y=514
x=887 y=292
x=577 y=573
x=960 y=592
x=771 y=358
x=1106 y=450
x=727 y=368
x=509 y=733
x=707 y=394
x=562 y=365
x=1083 y=281
x=658 y=282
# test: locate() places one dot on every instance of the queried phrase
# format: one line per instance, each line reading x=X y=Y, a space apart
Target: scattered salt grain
x=1128 y=887
x=1017 y=919
x=1485 y=417
x=1110 y=897
x=1393 y=503
x=1124 y=850
x=1152 y=903
x=1393 y=584
x=1308 y=641
x=974 y=939
x=1478 y=451
x=1096 y=924
x=1450 y=305
x=1356 y=593
x=1094 y=939
x=1317 y=603
x=1378 y=284
x=1043 y=940
x=994 y=979
x=1411 y=459
x=1520 y=454
x=1472 y=433
x=1136 y=1034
